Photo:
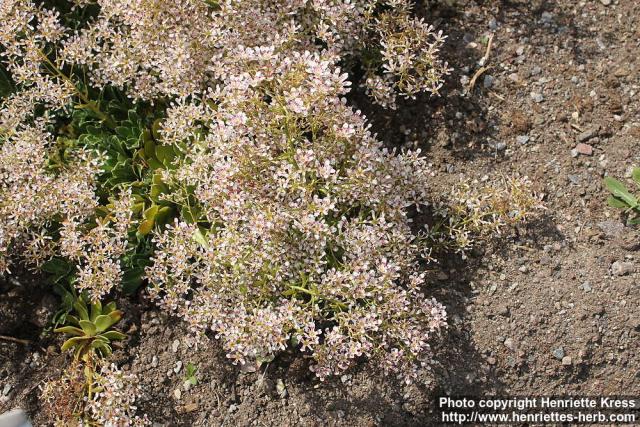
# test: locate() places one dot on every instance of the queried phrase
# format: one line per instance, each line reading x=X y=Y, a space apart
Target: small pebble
x=584 y=149
x=588 y=134
x=509 y=344
x=537 y=97
x=522 y=139
x=566 y=361
x=558 y=353
x=178 y=367
x=7 y=389
x=488 y=81
x=175 y=345
x=622 y=268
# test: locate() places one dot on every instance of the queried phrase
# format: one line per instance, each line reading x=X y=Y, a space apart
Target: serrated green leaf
x=620 y=191
x=124 y=132
x=133 y=116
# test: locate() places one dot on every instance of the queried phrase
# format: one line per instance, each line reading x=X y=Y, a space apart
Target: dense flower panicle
x=155 y=48
x=114 y=404
x=291 y=223
x=311 y=243
x=31 y=196
x=97 y=250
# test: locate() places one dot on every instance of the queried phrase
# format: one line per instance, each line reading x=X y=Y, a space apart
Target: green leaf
x=106 y=350
x=73 y=320
x=635 y=174
x=155 y=129
x=96 y=310
x=125 y=132
x=164 y=214
x=88 y=327
x=151 y=212
x=114 y=336
x=97 y=344
x=165 y=154
x=75 y=341
x=132 y=279
x=81 y=308
x=619 y=190
x=149 y=145
x=103 y=322
x=116 y=315
x=145 y=227
x=200 y=237
x=157 y=186
x=614 y=202
x=57 y=267
x=109 y=307
x=154 y=163
x=70 y=330
x=133 y=116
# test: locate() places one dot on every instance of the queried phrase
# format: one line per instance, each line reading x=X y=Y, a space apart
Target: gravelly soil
x=538 y=313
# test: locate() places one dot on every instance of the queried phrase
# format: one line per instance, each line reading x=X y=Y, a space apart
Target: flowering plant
x=206 y=148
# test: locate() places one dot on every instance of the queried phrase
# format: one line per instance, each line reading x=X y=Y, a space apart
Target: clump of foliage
x=472 y=212
x=90 y=391
x=621 y=198
x=190 y=374
x=207 y=149
x=91 y=329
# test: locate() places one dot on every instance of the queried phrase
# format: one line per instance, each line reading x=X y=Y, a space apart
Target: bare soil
x=540 y=312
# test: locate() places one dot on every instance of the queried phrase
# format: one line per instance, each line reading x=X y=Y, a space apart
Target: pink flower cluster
x=302 y=236
x=309 y=243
